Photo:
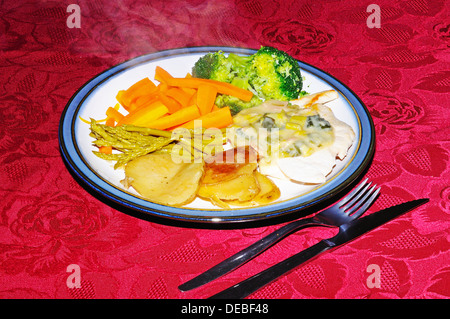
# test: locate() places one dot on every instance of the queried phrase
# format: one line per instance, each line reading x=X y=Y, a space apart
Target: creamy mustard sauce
x=282 y=129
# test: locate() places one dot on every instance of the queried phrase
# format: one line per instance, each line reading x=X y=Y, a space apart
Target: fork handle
x=252 y=284
x=246 y=254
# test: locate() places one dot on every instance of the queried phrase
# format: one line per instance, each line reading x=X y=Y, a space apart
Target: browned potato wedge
x=221 y=173
x=230 y=164
x=241 y=188
x=157 y=178
x=269 y=191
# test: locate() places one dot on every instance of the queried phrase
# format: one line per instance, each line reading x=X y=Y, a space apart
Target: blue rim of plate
x=76 y=163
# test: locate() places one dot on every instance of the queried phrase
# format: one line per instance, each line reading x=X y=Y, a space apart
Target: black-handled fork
x=346 y=210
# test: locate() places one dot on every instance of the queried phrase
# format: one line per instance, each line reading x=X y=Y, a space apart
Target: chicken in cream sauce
x=297 y=140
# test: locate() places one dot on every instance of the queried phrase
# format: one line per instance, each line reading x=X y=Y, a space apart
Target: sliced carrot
x=206 y=96
x=147 y=88
x=137 y=85
x=110 y=121
x=163 y=87
x=161 y=75
x=174 y=102
x=105 y=149
x=179 y=117
x=216 y=119
x=142 y=87
x=120 y=98
x=179 y=95
x=114 y=114
x=145 y=114
x=189 y=90
x=171 y=104
x=222 y=87
x=143 y=101
x=193 y=99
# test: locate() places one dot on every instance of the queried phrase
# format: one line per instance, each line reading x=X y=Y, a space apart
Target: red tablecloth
x=49 y=223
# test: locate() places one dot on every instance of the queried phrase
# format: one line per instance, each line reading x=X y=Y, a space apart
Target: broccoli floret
x=214 y=66
x=236 y=105
x=269 y=74
x=275 y=75
x=217 y=66
x=240 y=64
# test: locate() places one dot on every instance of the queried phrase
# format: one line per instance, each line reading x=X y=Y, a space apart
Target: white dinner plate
x=92 y=100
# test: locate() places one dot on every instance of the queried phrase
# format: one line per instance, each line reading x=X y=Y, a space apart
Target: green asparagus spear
x=134 y=141
x=131 y=141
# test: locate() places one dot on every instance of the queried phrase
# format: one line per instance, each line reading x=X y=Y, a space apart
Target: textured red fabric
x=48 y=221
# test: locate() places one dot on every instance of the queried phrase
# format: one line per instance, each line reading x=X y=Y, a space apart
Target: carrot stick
x=162 y=87
x=147 y=87
x=217 y=119
x=114 y=114
x=179 y=117
x=179 y=95
x=161 y=75
x=145 y=114
x=138 y=84
x=206 y=96
x=190 y=91
x=193 y=99
x=110 y=121
x=171 y=104
x=174 y=102
x=120 y=98
x=143 y=101
x=105 y=149
x=142 y=87
x=222 y=87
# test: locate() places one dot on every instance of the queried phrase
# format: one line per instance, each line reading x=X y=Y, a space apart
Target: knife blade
x=347 y=233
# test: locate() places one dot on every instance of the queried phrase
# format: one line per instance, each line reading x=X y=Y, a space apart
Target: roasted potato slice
x=157 y=178
x=215 y=174
x=242 y=188
x=230 y=164
x=268 y=193
x=236 y=182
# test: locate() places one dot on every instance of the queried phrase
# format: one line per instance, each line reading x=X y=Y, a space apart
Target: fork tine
x=367 y=202
x=357 y=197
x=353 y=193
x=358 y=200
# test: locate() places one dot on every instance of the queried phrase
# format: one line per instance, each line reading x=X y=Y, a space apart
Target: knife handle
x=246 y=254
x=252 y=284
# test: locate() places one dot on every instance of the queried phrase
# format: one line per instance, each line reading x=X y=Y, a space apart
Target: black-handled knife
x=347 y=232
